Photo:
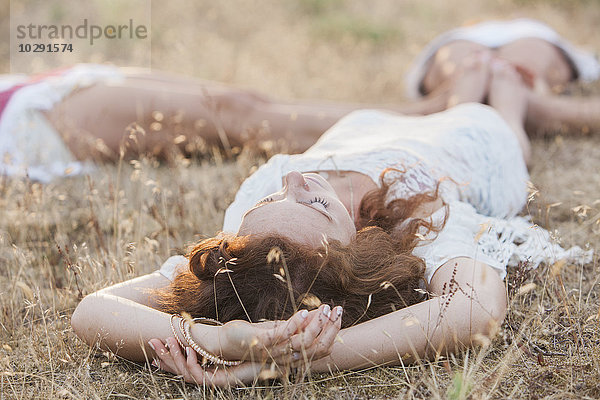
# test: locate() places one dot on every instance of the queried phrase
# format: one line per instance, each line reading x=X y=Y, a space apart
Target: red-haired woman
x=344 y=241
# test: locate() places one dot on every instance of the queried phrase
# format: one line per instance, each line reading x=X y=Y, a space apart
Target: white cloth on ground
x=495 y=34
x=172 y=266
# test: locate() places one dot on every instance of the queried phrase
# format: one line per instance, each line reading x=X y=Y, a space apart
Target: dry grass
x=66 y=239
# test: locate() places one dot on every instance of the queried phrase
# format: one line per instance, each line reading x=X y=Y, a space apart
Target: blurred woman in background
x=545 y=61
x=51 y=125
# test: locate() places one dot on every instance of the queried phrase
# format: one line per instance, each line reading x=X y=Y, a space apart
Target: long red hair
x=270 y=277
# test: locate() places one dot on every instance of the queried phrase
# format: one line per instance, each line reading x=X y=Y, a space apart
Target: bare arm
x=471 y=301
x=122 y=318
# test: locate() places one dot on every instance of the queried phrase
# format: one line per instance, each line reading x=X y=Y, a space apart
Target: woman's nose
x=296 y=179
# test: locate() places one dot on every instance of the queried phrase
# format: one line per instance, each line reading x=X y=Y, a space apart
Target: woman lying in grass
x=325 y=257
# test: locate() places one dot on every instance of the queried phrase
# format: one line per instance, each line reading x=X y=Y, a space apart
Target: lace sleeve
x=494 y=241
x=406 y=182
x=456 y=239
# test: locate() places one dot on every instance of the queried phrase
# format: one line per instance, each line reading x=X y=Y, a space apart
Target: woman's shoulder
x=460 y=227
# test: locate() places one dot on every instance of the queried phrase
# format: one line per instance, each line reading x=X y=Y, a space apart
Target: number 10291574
x=45 y=47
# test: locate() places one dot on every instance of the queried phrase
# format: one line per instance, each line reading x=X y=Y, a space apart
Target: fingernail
x=336 y=313
x=187 y=351
x=327 y=310
x=295 y=356
x=340 y=310
x=304 y=313
x=152 y=346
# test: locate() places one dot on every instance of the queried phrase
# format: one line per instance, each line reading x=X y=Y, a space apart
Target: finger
x=302 y=342
x=323 y=343
x=198 y=374
x=305 y=338
x=282 y=332
x=221 y=376
x=166 y=362
x=158 y=347
x=246 y=373
x=326 y=339
x=177 y=356
x=269 y=339
x=311 y=315
x=154 y=344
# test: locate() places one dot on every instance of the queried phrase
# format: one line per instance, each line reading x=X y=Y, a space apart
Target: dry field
x=63 y=240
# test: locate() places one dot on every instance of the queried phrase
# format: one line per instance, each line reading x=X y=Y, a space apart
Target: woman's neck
x=352 y=186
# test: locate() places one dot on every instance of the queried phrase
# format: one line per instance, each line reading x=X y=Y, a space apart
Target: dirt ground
x=65 y=239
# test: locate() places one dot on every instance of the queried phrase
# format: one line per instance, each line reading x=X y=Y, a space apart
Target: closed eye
x=266 y=200
x=321 y=208
x=321 y=200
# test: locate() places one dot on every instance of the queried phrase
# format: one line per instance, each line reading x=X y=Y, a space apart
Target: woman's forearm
x=124 y=327
x=119 y=325
x=407 y=334
x=122 y=318
x=474 y=306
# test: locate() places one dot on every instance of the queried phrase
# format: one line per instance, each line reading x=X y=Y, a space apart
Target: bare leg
x=552 y=112
x=470 y=83
x=507 y=94
x=153 y=113
x=544 y=61
x=177 y=114
x=434 y=102
x=447 y=63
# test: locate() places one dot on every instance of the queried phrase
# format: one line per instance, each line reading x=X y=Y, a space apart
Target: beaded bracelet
x=204 y=320
x=185 y=328
x=175 y=332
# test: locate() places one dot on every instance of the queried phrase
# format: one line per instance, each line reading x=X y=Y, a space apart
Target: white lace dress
x=469 y=149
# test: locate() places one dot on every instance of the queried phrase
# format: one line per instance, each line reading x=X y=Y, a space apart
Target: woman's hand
x=172 y=359
x=306 y=336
